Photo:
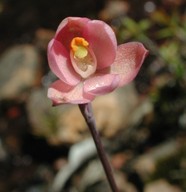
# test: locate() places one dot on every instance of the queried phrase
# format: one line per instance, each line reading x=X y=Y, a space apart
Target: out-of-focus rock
x=65 y=124
x=19 y=71
x=3 y=152
x=114 y=9
x=43 y=117
x=48 y=121
x=161 y=185
x=90 y=176
x=145 y=165
x=79 y=154
x=42 y=37
x=119 y=159
x=94 y=174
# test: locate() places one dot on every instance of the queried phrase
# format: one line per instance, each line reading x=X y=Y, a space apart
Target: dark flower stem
x=86 y=110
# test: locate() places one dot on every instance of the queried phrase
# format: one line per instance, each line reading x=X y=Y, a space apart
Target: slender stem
x=86 y=110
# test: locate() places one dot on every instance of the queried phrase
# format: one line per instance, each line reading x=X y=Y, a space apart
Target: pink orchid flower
x=85 y=57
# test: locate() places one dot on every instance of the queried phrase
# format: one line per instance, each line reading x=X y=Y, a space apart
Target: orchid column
x=85 y=57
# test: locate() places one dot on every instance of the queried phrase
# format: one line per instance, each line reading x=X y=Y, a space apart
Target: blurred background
x=143 y=125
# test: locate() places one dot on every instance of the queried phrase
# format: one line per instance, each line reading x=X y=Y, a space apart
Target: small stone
x=146 y=164
x=114 y=9
x=161 y=185
x=19 y=67
x=42 y=38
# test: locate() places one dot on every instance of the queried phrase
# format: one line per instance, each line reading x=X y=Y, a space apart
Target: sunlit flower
x=85 y=57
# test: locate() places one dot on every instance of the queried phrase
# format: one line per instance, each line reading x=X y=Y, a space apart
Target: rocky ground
x=143 y=125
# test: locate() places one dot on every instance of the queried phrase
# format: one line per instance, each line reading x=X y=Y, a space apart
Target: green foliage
x=164 y=35
x=133 y=29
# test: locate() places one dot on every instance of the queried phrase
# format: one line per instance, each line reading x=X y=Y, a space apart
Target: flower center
x=79 y=47
x=82 y=57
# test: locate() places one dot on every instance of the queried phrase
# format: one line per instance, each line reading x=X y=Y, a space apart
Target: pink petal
x=59 y=62
x=129 y=59
x=101 y=84
x=69 y=28
x=60 y=93
x=103 y=42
